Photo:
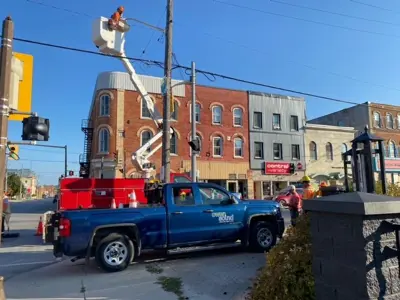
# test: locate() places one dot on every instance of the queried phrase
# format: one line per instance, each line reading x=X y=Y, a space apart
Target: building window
x=144 y=110
x=105 y=105
x=344 y=148
x=238 y=147
x=237 y=117
x=104 y=140
x=145 y=136
x=174 y=144
x=313 y=151
x=259 y=150
x=295 y=152
x=277 y=151
x=377 y=120
x=197 y=112
x=276 y=122
x=217 y=115
x=329 y=151
x=257 y=120
x=294 y=123
x=217 y=146
x=389 y=121
x=175 y=113
x=392 y=149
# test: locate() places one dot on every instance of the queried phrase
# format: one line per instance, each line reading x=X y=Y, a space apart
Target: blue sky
x=267 y=48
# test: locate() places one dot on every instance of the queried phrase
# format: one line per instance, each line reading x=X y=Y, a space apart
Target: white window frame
x=316 y=151
x=379 y=125
x=392 y=149
x=104 y=148
x=143 y=102
x=141 y=138
x=234 y=117
x=213 y=113
x=297 y=123
x=221 y=147
x=297 y=146
x=277 y=127
x=258 y=113
x=389 y=116
x=197 y=113
x=262 y=150
x=103 y=102
x=241 y=149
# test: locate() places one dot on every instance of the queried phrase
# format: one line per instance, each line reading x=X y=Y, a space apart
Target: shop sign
x=391 y=165
x=273 y=168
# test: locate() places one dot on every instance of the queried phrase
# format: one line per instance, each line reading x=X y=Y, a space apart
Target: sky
x=298 y=48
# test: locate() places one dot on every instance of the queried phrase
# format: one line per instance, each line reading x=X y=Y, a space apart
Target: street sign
x=24 y=90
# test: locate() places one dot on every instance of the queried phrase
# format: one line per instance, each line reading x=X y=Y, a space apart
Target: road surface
x=27 y=252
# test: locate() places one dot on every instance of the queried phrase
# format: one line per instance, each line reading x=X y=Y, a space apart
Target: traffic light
x=195 y=145
x=35 y=129
x=13 y=152
x=71 y=173
x=292 y=168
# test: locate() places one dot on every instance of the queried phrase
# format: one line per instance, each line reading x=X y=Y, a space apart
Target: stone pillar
x=352 y=245
x=119 y=132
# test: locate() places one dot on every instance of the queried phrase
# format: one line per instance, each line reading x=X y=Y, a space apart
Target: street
x=25 y=261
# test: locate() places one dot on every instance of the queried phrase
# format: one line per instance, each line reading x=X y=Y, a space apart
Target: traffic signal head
x=35 y=129
x=195 y=145
x=292 y=168
x=13 y=152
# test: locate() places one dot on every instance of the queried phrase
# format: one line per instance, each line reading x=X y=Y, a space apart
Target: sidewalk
x=211 y=277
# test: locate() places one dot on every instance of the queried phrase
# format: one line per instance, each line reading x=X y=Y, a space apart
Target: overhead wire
x=244 y=46
x=375 y=6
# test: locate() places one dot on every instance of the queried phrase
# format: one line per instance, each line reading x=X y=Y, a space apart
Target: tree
x=14 y=184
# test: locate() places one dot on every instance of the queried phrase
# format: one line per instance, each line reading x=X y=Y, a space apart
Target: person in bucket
x=295 y=204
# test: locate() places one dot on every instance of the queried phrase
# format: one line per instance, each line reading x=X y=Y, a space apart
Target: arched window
x=377 y=119
x=344 y=148
x=389 y=121
x=392 y=149
x=218 y=145
x=197 y=112
x=313 y=151
x=237 y=117
x=105 y=105
x=104 y=140
x=238 y=144
x=145 y=136
x=145 y=113
x=175 y=113
x=174 y=144
x=217 y=115
x=329 y=151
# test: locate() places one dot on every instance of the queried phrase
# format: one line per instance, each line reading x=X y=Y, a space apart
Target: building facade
x=276 y=141
x=324 y=145
x=383 y=121
x=120 y=124
x=28 y=179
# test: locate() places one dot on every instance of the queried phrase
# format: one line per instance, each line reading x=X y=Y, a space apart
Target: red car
x=284 y=195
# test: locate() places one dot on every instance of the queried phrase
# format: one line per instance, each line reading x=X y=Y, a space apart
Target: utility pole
x=194 y=135
x=5 y=76
x=166 y=139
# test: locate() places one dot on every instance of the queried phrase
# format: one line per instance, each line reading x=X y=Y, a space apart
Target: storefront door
x=232 y=186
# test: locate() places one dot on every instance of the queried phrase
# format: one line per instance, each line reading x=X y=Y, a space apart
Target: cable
x=375 y=6
x=335 y=13
x=47 y=151
x=305 y=20
x=239 y=45
x=48 y=161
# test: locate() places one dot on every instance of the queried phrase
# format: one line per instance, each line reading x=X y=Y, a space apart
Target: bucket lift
x=109 y=38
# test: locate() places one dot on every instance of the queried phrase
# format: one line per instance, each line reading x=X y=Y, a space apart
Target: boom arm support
x=109 y=37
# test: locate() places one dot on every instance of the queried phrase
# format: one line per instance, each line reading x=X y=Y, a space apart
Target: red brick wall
x=384 y=132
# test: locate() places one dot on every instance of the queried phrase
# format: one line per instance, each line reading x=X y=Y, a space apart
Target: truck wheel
x=262 y=236
x=114 y=252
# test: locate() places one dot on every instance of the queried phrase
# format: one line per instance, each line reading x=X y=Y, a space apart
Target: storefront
x=274 y=177
x=392 y=169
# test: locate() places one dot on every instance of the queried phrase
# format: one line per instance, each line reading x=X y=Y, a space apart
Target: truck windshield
x=181 y=179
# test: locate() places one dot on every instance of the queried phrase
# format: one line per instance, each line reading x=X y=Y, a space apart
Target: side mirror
x=232 y=200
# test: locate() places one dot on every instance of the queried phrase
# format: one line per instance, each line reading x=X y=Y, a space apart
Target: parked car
x=283 y=197
x=176 y=221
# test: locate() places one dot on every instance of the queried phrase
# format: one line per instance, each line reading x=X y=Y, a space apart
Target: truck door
x=185 y=226
x=222 y=220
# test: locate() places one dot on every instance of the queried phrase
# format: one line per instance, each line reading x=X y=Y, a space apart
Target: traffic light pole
x=5 y=77
x=194 y=135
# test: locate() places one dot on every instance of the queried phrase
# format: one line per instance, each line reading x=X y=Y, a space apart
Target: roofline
x=330 y=127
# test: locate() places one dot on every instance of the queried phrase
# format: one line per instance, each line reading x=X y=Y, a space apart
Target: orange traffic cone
x=113 y=204
x=132 y=200
x=39 y=230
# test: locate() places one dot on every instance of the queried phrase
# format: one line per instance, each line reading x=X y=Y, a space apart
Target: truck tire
x=114 y=252
x=263 y=236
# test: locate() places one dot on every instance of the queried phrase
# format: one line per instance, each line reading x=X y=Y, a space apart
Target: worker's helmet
x=323 y=184
x=306 y=179
x=120 y=9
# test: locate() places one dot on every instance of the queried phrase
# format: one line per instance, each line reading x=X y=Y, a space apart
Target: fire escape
x=84 y=158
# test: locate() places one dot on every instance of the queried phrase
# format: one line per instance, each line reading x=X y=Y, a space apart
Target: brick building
x=119 y=123
x=383 y=121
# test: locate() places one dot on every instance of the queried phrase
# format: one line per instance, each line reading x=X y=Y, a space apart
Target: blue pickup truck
x=179 y=217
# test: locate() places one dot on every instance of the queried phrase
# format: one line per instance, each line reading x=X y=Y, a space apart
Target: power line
x=304 y=20
x=47 y=151
x=48 y=161
x=233 y=43
x=375 y=6
x=335 y=13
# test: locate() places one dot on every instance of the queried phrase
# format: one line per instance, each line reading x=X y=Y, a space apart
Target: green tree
x=14 y=184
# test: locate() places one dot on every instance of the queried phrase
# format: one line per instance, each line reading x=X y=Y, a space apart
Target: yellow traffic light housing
x=13 y=151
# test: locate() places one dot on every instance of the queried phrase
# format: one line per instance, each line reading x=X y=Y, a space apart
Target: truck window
x=183 y=196
x=182 y=179
x=213 y=196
